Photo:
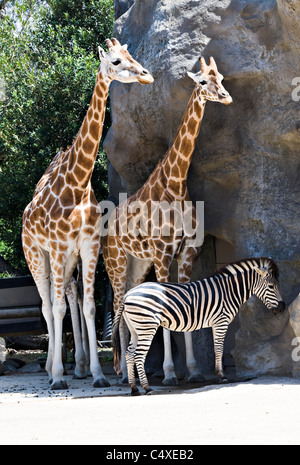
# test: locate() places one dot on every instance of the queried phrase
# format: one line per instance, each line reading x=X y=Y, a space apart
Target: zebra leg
x=219 y=333
x=130 y=353
x=140 y=365
x=131 y=374
x=143 y=345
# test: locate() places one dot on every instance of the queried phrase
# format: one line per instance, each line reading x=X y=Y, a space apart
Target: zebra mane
x=266 y=263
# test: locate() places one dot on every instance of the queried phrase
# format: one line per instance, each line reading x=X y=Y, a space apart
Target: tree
x=48 y=61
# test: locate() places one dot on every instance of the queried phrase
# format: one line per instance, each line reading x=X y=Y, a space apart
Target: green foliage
x=48 y=61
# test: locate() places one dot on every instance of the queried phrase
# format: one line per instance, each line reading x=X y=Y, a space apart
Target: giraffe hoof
x=223 y=380
x=194 y=379
x=59 y=386
x=170 y=382
x=125 y=380
x=80 y=376
x=101 y=383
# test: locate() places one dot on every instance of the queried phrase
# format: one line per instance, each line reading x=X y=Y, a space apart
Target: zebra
x=213 y=302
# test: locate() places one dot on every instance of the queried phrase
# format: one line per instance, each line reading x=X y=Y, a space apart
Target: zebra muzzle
x=280 y=308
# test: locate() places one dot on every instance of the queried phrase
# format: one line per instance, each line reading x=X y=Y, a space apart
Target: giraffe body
x=62 y=224
x=167 y=183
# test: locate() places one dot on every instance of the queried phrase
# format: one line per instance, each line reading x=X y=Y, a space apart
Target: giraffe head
x=119 y=65
x=210 y=84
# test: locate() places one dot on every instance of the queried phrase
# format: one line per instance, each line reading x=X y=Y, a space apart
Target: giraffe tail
x=116 y=342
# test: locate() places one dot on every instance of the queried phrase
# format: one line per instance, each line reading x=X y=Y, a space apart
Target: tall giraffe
x=62 y=223
x=168 y=183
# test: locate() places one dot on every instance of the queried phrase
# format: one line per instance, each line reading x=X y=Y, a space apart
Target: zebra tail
x=116 y=342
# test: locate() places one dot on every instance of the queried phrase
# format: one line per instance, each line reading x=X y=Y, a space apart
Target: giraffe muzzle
x=145 y=77
x=225 y=98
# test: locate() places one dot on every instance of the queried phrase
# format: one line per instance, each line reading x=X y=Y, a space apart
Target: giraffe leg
x=59 y=311
x=39 y=265
x=137 y=271
x=170 y=378
x=89 y=255
x=62 y=267
x=84 y=335
x=219 y=333
x=113 y=254
x=80 y=359
x=124 y=339
x=162 y=271
x=185 y=267
x=195 y=375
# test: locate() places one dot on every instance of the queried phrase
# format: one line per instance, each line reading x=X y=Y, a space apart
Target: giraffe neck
x=177 y=161
x=79 y=160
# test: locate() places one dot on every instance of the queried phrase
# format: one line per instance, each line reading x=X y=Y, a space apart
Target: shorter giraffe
x=166 y=186
x=62 y=224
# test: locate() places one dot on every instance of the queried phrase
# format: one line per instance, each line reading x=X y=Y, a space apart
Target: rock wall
x=246 y=166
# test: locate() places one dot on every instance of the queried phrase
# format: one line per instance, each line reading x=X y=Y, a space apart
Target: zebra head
x=266 y=288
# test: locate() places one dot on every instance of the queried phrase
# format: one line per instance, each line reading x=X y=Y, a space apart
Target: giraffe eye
x=116 y=63
x=203 y=83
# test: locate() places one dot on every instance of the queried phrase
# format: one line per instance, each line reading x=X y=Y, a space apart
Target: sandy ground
x=261 y=411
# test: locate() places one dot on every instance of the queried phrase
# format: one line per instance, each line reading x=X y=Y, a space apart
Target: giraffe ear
x=125 y=47
x=101 y=53
x=192 y=76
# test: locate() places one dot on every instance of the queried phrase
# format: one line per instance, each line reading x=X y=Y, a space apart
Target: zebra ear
x=262 y=272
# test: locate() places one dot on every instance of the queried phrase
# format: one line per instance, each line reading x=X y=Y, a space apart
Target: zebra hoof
x=170 y=382
x=135 y=392
x=149 y=391
x=101 y=383
x=59 y=386
x=195 y=379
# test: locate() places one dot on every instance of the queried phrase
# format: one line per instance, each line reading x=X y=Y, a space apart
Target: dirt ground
x=261 y=411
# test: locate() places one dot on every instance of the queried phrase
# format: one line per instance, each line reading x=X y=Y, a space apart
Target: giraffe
x=62 y=223
x=167 y=183
x=73 y=293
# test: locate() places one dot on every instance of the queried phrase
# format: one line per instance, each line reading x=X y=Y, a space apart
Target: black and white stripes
x=211 y=302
